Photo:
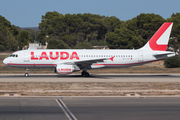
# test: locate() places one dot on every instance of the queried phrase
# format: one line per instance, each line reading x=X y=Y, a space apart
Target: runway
x=90 y=108
x=92 y=78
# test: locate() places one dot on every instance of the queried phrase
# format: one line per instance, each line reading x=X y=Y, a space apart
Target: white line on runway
x=67 y=112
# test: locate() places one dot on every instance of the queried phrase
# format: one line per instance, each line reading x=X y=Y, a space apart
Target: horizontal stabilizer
x=162 y=54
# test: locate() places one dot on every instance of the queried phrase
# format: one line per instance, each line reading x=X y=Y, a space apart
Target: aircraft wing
x=86 y=63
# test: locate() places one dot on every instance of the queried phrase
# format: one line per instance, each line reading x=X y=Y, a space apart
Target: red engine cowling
x=64 y=69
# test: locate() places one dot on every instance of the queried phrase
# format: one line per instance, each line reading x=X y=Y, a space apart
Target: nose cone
x=5 y=61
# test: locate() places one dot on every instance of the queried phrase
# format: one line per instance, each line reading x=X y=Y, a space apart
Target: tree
x=73 y=28
x=84 y=45
x=24 y=39
x=123 y=39
x=33 y=34
x=2 y=48
x=8 y=35
x=145 y=24
x=175 y=34
x=57 y=44
x=112 y=23
x=172 y=62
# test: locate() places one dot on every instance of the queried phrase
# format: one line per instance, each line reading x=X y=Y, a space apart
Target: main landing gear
x=85 y=74
x=26 y=74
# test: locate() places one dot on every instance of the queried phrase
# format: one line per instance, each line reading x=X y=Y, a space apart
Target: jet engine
x=64 y=69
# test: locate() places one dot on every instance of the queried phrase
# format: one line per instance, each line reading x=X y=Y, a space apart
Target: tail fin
x=159 y=40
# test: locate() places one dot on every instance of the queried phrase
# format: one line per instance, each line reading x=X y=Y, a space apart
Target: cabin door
x=26 y=56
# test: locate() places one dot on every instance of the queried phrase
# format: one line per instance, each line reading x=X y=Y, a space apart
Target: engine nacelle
x=64 y=69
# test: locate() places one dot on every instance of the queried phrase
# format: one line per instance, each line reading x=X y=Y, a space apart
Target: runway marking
x=67 y=112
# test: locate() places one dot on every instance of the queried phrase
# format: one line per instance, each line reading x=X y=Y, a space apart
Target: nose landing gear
x=26 y=74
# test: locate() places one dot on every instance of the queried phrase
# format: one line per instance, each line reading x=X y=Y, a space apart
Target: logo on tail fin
x=160 y=39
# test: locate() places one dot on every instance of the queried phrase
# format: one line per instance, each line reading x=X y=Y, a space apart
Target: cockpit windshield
x=13 y=55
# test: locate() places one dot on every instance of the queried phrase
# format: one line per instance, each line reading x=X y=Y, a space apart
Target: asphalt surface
x=90 y=108
x=92 y=78
x=30 y=109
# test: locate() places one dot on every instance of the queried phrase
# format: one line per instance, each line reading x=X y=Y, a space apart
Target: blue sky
x=27 y=13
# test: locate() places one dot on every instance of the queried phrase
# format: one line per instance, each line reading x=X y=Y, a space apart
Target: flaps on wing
x=86 y=63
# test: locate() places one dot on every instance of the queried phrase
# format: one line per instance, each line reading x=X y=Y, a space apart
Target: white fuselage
x=52 y=57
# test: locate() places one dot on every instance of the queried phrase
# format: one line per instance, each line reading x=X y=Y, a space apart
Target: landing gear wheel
x=26 y=75
x=85 y=74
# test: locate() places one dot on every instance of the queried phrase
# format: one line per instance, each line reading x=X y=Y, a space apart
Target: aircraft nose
x=5 y=61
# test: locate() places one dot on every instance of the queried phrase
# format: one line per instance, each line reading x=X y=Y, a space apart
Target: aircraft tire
x=85 y=74
x=26 y=75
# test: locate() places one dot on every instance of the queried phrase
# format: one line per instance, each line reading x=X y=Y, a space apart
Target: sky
x=28 y=13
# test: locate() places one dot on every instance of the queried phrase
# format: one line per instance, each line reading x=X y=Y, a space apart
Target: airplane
x=66 y=61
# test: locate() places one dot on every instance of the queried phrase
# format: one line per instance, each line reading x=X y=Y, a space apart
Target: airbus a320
x=65 y=61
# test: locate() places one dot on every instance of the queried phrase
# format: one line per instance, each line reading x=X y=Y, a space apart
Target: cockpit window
x=13 y=55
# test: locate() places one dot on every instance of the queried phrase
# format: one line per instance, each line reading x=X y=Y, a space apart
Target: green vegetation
x=173 y=62
x=87 y=30
x=8 y=35
x=57 y=44
x=12 y=38
x=23 y=39
x=82 y=31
